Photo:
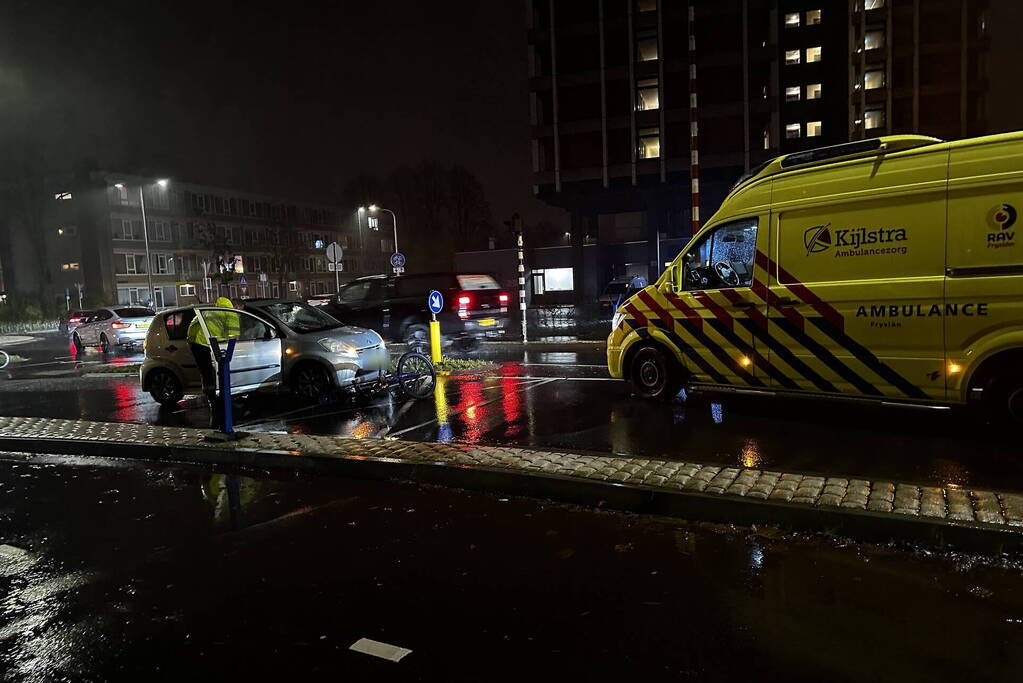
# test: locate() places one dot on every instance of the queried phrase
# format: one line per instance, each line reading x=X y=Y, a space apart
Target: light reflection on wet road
x=565 y=400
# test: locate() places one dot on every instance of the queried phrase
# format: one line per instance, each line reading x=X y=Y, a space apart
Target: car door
x=175 y=347
x=256 y=361
x=96 y=326
x=721 y=321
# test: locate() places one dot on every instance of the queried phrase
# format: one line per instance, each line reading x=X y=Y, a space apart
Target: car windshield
x=301 y=317
x=134 y=312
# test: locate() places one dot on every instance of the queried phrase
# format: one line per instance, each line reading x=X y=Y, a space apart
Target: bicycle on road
x=413 y=375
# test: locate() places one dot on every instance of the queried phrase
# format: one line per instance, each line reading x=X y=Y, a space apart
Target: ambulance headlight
x=617 y=319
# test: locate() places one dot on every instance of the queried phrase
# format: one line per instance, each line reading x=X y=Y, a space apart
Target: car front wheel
x=77 y=342
x=310 y=381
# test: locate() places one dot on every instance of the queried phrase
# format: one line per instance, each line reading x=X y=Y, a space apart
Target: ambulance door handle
x=744 y=304
x=785 y=302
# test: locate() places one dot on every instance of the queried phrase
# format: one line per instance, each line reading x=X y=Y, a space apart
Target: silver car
x=112 y=328
x=279 y=344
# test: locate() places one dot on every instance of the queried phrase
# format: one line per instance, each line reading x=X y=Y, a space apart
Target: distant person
x=222 y=326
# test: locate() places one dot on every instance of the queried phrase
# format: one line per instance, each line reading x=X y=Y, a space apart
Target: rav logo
x=999 y=220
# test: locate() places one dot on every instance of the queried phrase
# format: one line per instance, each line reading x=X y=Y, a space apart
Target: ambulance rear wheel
x=654 y=374
x=1006 y=399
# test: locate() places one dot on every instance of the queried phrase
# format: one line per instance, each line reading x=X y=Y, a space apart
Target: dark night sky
x=292 y=98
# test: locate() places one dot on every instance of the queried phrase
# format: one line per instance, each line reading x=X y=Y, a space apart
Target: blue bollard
x=224 y=377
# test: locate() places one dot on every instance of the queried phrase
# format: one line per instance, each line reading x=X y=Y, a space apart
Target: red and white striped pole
x=694 y=148
x=522 y=284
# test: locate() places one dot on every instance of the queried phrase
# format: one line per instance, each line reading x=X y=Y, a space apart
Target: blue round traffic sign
x=398 y=260
x=435 y=301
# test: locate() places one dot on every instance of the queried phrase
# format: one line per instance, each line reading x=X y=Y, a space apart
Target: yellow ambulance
x=888 y=269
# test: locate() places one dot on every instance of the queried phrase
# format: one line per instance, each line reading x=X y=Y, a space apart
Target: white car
x=110 y=328
x=279 y=344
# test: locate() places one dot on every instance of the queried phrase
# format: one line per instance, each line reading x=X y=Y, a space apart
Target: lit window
x=293 y=286
x=69 y=266
x=813 y=91
x=646 y=49
x=62 y=195
x=792 y=20
x=792 y=93
x=813 y=17
x=649 y=143
x=873 y=4
x=553 y=280
x=792 y=130
x=874 y=119
x=792 y=56
x=874 y=40
x=186 y=290
x=646 y=5
x=813 y=129
x=767 y=139
x=813 y=54
x=873 y=80
x=647 y=94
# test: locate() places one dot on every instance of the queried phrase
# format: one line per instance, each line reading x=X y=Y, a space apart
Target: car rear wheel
x=654 y=374
x=165 y=387
x=310 y=381
x=76 y=341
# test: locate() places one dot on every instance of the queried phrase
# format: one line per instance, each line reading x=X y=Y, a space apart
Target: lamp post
x=394 y=219
x=362 y=242
x=145 y=234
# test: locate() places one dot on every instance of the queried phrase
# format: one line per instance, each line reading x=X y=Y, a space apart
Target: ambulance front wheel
x=655 y=374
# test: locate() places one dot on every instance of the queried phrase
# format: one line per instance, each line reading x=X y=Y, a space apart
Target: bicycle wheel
x=5 y=360
x=416 y=375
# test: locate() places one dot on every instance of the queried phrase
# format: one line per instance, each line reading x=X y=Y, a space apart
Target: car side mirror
x=271 y=333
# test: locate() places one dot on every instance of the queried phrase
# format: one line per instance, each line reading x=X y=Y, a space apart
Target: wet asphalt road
x=121 y=570
x=565 y=400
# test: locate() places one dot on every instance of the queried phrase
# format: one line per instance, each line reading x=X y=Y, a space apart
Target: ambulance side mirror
x=668 y=286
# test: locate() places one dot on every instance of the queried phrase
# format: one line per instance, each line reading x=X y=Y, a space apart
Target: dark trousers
x=204 y=361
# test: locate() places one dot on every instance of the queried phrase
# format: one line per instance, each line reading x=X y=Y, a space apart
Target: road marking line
x=570 y=379
x=375 y=648
x=564 y=365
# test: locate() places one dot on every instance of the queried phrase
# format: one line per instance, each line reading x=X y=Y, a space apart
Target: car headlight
x=617 y=319
x=338 y=347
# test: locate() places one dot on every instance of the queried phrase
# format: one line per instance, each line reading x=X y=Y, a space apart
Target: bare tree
x=468 y=207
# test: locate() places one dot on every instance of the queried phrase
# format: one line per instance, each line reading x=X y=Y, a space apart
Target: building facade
x=203 y=242
x=645 y=112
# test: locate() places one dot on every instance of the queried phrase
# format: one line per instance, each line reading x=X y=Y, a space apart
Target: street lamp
x=162 y=182
x=394 y=219
x=362 y=242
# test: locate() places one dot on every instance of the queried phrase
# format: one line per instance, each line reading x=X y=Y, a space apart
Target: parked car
x=72 y=320
x=618 y=290
x=475 y=306
x=280 y=344
x=109 y=328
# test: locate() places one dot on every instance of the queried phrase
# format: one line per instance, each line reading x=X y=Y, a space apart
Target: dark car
x=618 y=290
x=475 y=306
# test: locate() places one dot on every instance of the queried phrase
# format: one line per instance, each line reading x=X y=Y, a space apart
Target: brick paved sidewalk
x=950 y=504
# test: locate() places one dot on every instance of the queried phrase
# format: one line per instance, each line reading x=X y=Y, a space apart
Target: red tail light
x=503 y=298
x=120 y=326
x=464 y=300
x=74 y=320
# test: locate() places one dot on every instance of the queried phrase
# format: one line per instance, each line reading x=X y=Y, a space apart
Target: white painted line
x=375 y=648
x=567 y=379
x=562 y=365
x=14 y=560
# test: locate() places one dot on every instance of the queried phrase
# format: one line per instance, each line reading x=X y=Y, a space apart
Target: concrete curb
x=862 y=525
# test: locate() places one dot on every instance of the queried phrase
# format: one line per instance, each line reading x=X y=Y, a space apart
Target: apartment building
x=644 y=113
x=194 y=234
